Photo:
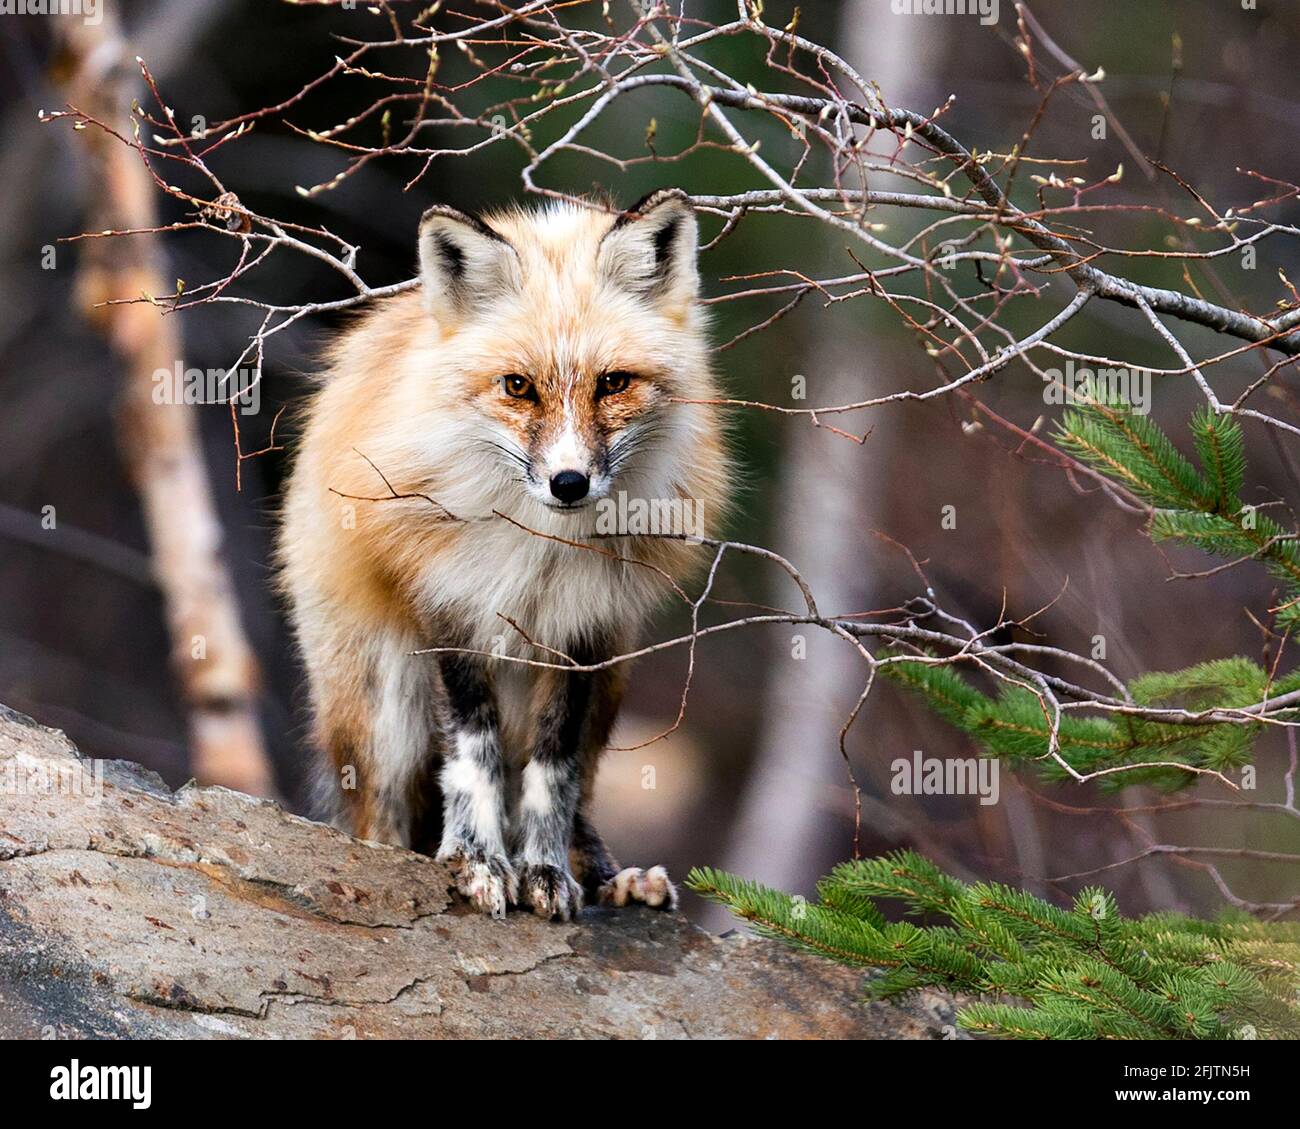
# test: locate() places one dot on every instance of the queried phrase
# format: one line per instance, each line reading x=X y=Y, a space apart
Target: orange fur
x=412 y=403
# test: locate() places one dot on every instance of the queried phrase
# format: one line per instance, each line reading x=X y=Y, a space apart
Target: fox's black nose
x=570 y=486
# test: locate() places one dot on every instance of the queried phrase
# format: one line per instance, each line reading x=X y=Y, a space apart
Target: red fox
x=447 y=494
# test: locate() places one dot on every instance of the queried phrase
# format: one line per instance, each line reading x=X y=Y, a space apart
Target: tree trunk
x=160 y=442
x=834 y=492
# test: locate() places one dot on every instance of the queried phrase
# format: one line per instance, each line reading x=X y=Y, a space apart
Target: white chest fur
x=557 y=593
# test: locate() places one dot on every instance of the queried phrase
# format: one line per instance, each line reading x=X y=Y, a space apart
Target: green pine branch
x=1013 y=725
x=1195 y=505
x=1040 y=971
x=1199 y=507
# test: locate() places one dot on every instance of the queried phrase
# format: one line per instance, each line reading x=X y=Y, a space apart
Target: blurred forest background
x=753 y=780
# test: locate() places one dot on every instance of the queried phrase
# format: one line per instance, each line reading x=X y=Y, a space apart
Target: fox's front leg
x=566 y=705
x=474 y=809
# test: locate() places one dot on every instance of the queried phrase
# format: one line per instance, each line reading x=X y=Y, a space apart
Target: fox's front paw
x=487 y=880
x=550 y=890
x=634 y=885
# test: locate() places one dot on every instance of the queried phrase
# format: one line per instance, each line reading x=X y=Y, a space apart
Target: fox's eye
x=520 y=387
x=612 y=383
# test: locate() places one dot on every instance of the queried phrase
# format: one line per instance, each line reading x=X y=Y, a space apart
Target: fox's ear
x=651 y=249
x=462 y=261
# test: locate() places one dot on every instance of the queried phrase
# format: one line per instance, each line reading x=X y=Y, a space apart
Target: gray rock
x=129 y=910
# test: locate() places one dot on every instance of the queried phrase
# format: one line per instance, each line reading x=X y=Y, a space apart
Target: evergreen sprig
x=1200 y=507
x=1014 y=725
x=1195 y=505
x=1042 y=971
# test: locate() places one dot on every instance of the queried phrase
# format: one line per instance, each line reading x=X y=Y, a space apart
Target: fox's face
x=570 y=432
x=573 y=336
